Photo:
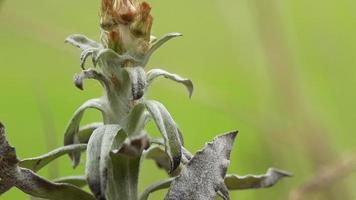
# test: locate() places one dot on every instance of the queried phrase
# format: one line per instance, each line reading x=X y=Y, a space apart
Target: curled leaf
x=72 y=130
x=137 y=77
x=155 y=187
x=85 y=54
x=101 y=143
x=37 y=163
x=157 y=44
x=81 y=42
x=168 y=130
x=136 y=120
x=30 y=183
x=86 y=131
x=158 y=155
x=203 y=177
x=155 y=73
x=91 y=74
x=234 y=182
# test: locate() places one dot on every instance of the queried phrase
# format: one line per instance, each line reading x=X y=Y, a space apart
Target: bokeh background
x=282 y=72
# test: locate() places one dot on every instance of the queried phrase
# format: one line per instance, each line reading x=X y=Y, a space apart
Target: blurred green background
x=281 y=72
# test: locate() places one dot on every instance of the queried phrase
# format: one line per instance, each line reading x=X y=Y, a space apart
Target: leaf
x=103 y=140
x=37 y=163
x=111 y=58
x=155 y=73
x=91 y=74
x=30 y=183
x=86 y=131
x=157 y=44
x=158 y=155
x=72 y=130
x=155 y=187
x=203 y=176
x=79 y=181
x=136 y=120
x=168 y=130
x=234 y=182
x=137 y=77
x=84 y=56
x=81 y=42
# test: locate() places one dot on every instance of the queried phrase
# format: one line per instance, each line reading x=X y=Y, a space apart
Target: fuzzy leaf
x=137 y=77
x=111 y=58
x=79 y=181
x=30 y=183
x=37 y=163
x=82 y=42
x=158 y=155
x=157 y=44
x=168 y=130
x=71 y=132
x=203 y=177
x=234 y=182
x=84 y=56
x=91 y=74
x=103 y=140
x=86 y=131
x=155 y=73
x=136 y=120
x=155 y=187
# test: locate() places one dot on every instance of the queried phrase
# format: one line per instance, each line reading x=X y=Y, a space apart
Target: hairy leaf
x=39 y=162
x=169 y=131
x=137 y=77
x=71 y=132
x=158 y=155
x=81 y=42
x=79 y=181
x=30 y=183
x=86 y=131
x=136 y=120
x=203 y=176
x=234 y=182
x=155 y=187
x=91 y=74
x=155 y=73
x=101 y=143
x=157 y=44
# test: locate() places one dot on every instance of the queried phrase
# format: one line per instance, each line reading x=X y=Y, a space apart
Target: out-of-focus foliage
x=282 y=72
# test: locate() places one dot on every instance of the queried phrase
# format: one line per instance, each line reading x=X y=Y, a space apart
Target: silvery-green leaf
x=82 y=42
x=155 y=187
x=30 y=183
x=39 y=162
x=158 y=155
x=168 y=130
x=157 y=44
x=86 y=131
x=234 y=182
x=203 y=177
x=110 y=57
x=71 y=132
x=98 y=157
x=137 y=77
x=136 y=120
x=79 y=181
x=123 y=179
x=85 y=54
x=91 y=74
x=155 y=73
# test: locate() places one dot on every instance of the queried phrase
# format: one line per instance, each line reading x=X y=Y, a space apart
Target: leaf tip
x=78 y=82
x=280 y=172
